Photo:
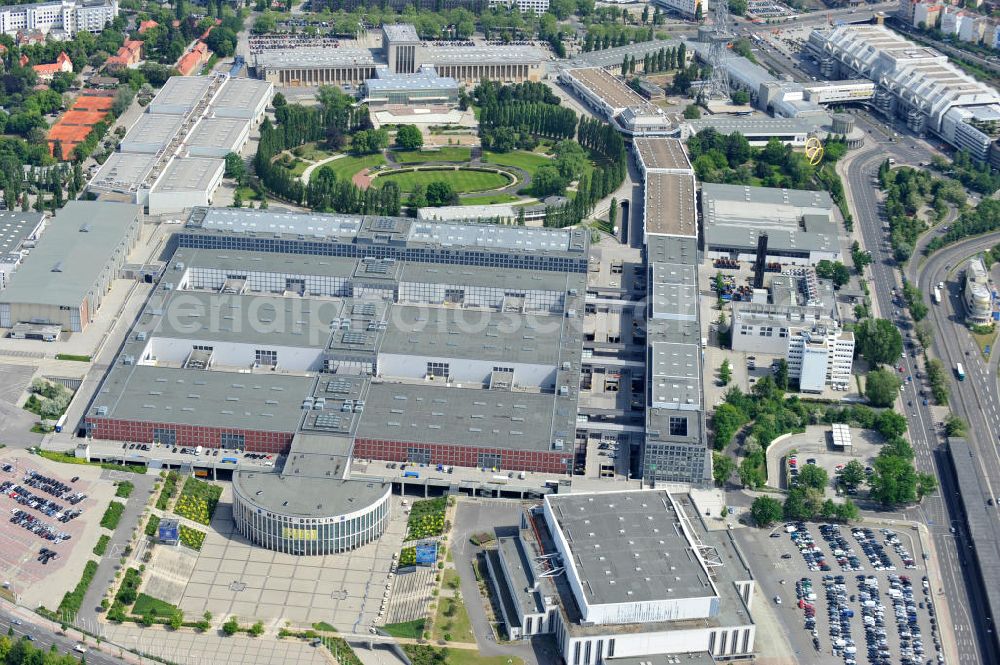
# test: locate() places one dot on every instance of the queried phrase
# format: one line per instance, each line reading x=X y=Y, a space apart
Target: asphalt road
x=940 y=509
x=43 y=638
x=976 y=399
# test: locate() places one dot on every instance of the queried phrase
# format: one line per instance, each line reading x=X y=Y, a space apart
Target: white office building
x=60 y=19
x=686 y=8
x=978 y=296
x=820 y=357
x=538 y=7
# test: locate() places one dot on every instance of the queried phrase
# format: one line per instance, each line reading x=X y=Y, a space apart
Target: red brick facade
x=279 y=442
x=189 y=435
x=468 y=456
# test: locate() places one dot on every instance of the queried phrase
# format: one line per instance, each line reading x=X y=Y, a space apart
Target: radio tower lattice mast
x=722 y=32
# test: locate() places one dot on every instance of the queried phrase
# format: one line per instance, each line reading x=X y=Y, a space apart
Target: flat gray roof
x=794 y=220
x=245 y=262
x=522 y=575
x=676 y=378
x=476 y=335
x=266 y=221
x=264 y=401
x=247 y=319
x=670 y=204
x=180 y=91
x=292 y=494
x=241 y=96
x=608 y=87
x=511 y=279
x=15 y=227
x=392 y=231
x=221 y=133
x=628 y=547
x=675 y=291
x=189 y=174
x=401 y=32
x=757 y=126
x=152 y=128
x=307 y=57
x=662 y=153
x=70 y=256
x=612 y=57
x=426 y=79
x=462 y=55
x=123 y=171
x=420 y=413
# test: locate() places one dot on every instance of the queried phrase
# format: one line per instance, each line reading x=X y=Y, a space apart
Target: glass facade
x=310 y=535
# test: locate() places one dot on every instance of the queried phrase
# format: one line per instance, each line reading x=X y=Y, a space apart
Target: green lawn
x=247 y=194
x=529 y=161
x=311 y=152
x=148 y=605
x=445 y=154
x=411 y=629
x=298 y=167
x=452 y=620
x=489 y=199
x=346 y=167
x=461 y=181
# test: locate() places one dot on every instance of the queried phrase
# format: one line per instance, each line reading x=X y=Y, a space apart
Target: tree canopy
x=879 y=341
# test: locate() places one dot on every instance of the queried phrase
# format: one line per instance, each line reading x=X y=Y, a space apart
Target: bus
x=959 y=372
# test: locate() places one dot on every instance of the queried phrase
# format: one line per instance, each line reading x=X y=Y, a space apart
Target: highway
x=976 y=400
x=942 y=509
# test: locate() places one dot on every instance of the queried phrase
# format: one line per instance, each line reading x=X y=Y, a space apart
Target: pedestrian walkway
x=104 y=578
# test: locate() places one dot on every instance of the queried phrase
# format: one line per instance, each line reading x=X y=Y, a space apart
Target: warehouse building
x=19 y=232
x=401 y=52
x=800 y=226
x=624 y=575
x=172 y=158
x=673 y=447
x=460 y=347
x=757 y=130
x=408 y=359
x=914 y=83
x=619 y=104
x=65 y=278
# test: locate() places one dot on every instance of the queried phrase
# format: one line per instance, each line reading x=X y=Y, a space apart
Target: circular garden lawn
x=463 y=181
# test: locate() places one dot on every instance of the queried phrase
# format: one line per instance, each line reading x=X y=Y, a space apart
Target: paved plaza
x=231 y=577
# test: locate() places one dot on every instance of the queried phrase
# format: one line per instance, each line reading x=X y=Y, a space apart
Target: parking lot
x=49 y=516
x=854 y=594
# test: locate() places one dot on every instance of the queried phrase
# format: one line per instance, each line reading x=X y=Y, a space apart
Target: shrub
x=426 y=519
x=113 y=515
x=124 y=489
x=102 y=545
x=71 y=602
x=198 y=501
x=169 y=489
x=128 y=592
x=191 y=538
x=231 y=626
x=152 y=525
